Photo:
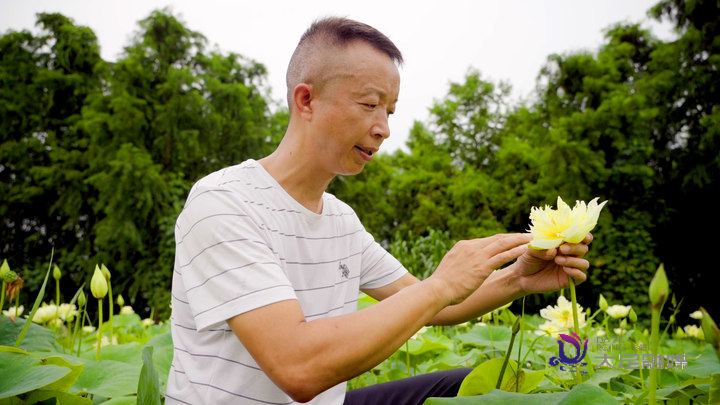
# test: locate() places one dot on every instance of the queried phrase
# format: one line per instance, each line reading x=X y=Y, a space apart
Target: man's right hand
x=466 y=266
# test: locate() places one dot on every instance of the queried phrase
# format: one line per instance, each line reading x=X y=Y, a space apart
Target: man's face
x=351 y=108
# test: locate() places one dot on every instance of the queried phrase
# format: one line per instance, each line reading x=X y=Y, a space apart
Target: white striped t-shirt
x=242 y=243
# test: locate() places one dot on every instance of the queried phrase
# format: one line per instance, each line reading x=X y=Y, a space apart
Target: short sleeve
x=226 y=264
x=379 y=268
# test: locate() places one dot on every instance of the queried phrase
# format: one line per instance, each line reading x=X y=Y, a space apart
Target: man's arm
x=306 y=358
x=535 y=271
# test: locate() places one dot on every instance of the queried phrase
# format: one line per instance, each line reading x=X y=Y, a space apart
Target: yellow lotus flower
x=550 y=228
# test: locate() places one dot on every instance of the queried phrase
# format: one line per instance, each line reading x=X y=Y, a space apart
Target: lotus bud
x=56 y=272
x=603 y=303
x=105 y=271
x=81 y=299
x=632 y=315
x=671 y=320
x=680 y=334
x=4 y=269
x=659 y=288
x=98 y=284
x=516 y=326
x=623 y=323
x=710 y=331
x=120 y=301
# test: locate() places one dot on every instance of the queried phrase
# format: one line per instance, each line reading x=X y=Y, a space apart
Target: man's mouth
x=366 y=150
x=365 y=153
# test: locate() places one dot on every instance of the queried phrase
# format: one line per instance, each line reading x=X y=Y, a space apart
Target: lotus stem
x=111 y=309
x=515 y=329
x=2 y=296
x=576 y=323
x=99 y=329
x=522 y=330
x=654 y=340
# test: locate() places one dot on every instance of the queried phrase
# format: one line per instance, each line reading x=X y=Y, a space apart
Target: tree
x=98 y=157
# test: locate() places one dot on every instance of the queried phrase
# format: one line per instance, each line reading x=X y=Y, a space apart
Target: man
x=268 y=266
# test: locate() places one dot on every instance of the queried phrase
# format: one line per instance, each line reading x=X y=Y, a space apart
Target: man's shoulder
x=336 y=206
x=232 y=175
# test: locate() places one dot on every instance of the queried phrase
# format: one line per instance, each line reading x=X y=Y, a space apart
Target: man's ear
x=302 y=98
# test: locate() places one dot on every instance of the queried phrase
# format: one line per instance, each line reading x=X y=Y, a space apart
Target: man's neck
x=297 y=172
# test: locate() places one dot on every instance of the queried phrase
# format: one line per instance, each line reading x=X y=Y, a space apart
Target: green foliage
x=98 y=157
x=483 y=348
x=421 y=254
x=484 y=377
x=137 y=368
x=148 y=386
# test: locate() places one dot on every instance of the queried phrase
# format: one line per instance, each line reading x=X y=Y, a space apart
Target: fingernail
x=565 y=249
x=560 y=260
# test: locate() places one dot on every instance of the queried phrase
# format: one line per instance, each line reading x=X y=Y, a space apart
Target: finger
x=575 y=274
x=574 y=249
x=505 y=256
x=588 y=239
x=544 y=255
x=487 y=241
x=572 y=262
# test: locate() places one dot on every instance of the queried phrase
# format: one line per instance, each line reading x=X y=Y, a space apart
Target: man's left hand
x=548 y=270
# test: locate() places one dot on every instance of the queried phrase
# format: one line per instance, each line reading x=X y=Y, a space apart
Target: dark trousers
x=409 y=391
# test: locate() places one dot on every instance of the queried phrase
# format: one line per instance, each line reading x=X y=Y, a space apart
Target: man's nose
x=381 y=127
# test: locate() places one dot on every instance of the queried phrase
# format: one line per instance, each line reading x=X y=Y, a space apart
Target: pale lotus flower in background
x=127 y=309
x=618 y=311
x=694 y=331
x=550 y=228
x=67 y=312
x=14 y=311
x=105 y=341
x=45 y=313
x=561 y=314
x=696 y=315
x=550 y=329
x=147 y=322
x=88 y=329
x=600 y=332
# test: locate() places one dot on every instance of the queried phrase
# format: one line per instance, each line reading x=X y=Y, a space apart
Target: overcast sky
x=504 y=39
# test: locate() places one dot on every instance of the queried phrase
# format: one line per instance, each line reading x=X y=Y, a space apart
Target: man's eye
x=371 y=106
